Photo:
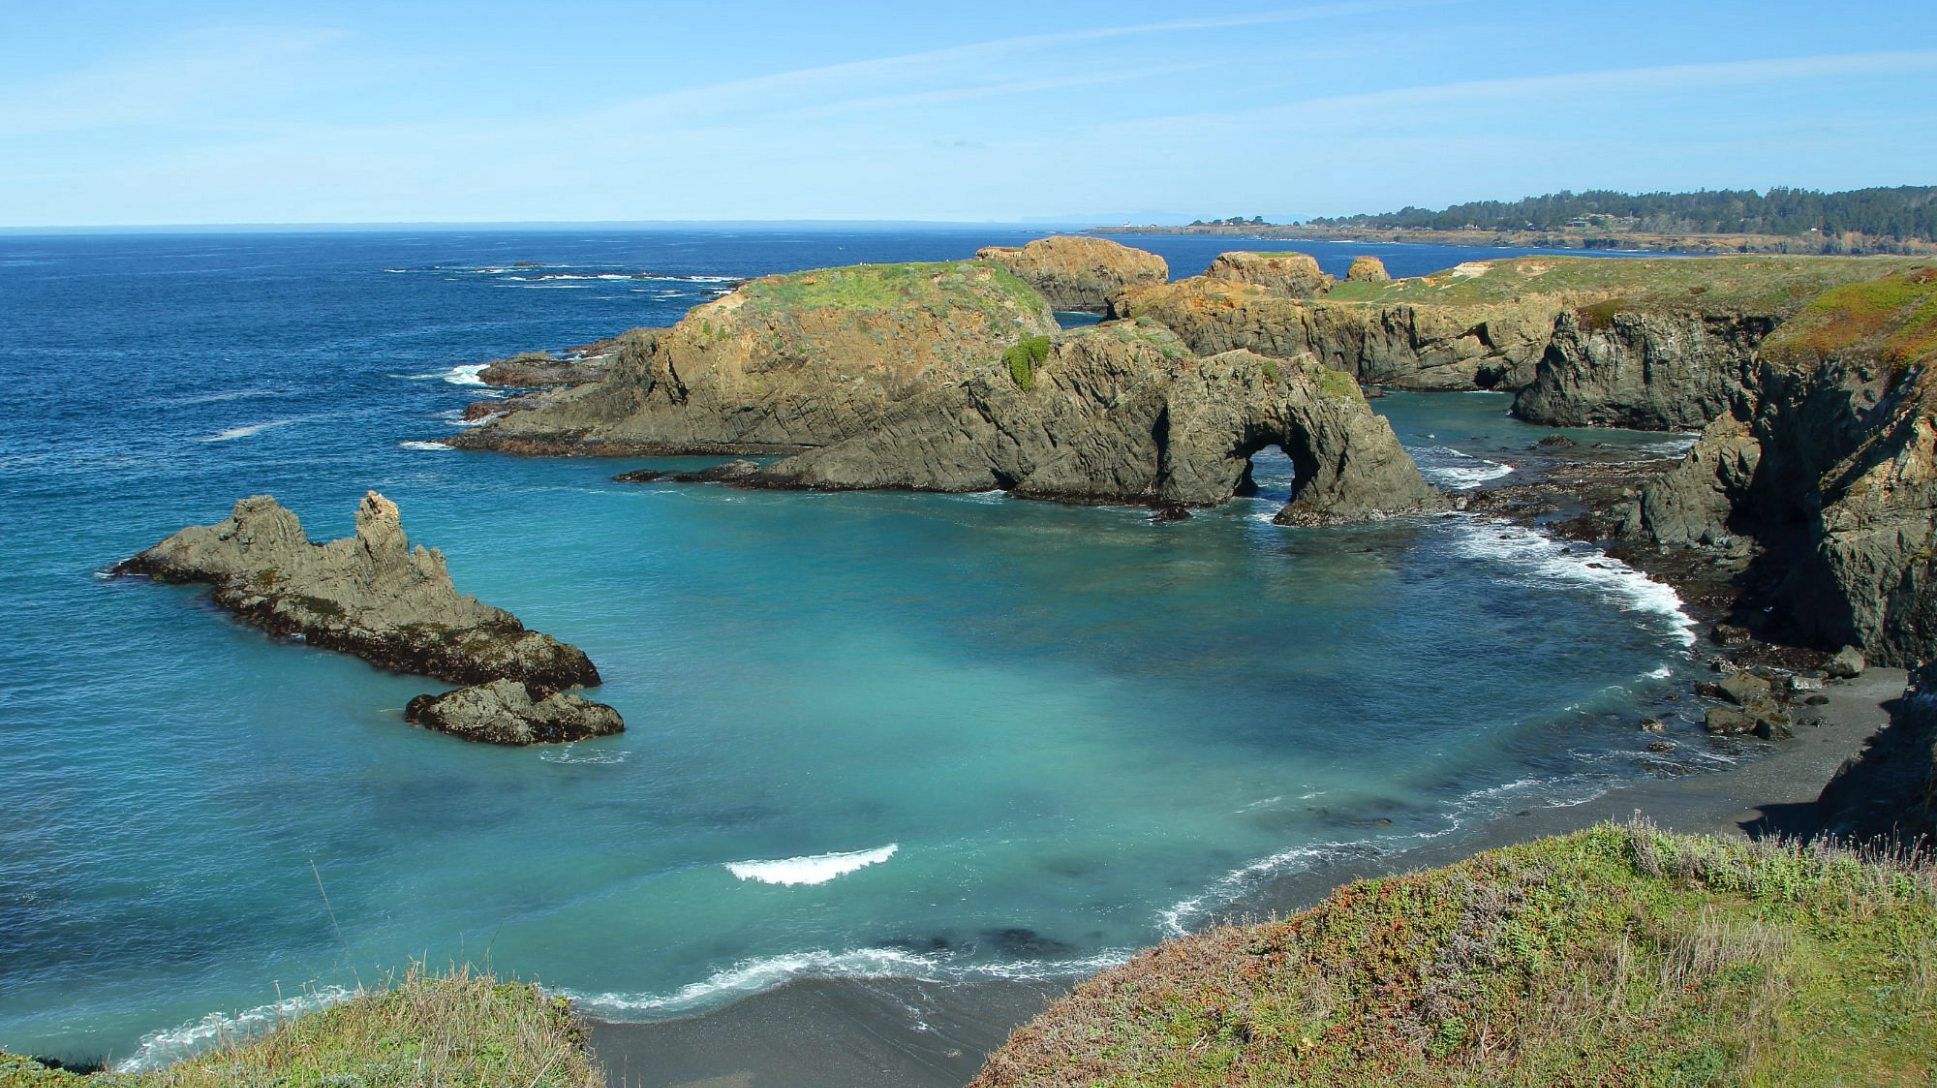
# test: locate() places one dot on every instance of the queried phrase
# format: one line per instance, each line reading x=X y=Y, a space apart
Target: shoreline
x=906 y=1033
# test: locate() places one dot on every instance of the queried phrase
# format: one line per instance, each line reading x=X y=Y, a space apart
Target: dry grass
x=461 y=1029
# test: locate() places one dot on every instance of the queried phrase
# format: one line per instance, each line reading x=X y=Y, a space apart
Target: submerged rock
x=371 y=594
x=1075 y=272
x=509 y=712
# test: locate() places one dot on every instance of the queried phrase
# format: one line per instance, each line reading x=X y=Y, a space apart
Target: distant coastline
x=1705 y=244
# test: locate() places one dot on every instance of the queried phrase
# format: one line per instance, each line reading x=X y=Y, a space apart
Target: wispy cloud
x=172 y=81
x=1549 y=89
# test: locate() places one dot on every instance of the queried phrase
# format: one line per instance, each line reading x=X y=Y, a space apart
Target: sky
x=205 y=112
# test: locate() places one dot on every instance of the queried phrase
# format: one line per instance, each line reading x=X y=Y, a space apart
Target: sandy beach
x=901 y=1033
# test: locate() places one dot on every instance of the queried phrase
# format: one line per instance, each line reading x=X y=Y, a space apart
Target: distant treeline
x=1903 y=213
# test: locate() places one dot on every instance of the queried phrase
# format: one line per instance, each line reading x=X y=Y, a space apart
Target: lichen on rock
x=1078 y=273
x=1295 y=275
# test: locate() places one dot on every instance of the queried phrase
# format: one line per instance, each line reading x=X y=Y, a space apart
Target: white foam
x=811 y=869
x=1531 y=558
x=1661 y=673
x=1466 y=471
x=162 y=1047
x=237 y=394
x=466 y=374
x=426 y=445
x=770 y=972
x=234 y=433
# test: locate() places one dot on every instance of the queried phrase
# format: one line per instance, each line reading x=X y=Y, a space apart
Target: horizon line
x=559 y=224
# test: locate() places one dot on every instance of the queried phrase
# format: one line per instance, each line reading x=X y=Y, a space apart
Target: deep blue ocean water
x=944 y=736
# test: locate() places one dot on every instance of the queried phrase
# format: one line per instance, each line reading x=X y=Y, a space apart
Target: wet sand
x=899 y=1033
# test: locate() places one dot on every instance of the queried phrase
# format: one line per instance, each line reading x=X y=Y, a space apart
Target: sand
x=822 y=1033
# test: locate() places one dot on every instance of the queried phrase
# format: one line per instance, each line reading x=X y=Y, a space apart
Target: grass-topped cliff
x=1755 y=281
x=463 y=1029
x=1620 y=955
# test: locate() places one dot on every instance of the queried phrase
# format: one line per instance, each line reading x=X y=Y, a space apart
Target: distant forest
x=1900 y=214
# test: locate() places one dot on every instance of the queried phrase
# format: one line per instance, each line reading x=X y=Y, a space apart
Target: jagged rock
x=1122 y=412
x=729 y=472
x=508 y=712
x=1846 y=665
x=1693 y=503
x=1650 y=370
x=371 y=594
x=1404 y=345
x=784 y=363
x=1652 y=725
x=1293 y=274
x=1078 y=273
x=1366 y=269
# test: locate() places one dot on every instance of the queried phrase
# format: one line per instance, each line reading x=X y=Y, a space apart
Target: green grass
x=1761 y=281
x=974 y=284
x=462 y=1029
x=1023 y=359
x=1620 y=955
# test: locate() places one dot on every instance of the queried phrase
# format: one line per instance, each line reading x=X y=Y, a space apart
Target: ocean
x=940 y=736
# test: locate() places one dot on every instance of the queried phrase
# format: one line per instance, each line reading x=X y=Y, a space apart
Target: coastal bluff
x=371 y=594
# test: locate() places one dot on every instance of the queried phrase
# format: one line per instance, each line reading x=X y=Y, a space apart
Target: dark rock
x=508 y=712
x=1169 y=511
x=1772 y=730
x=1661 y=746
x=1651 y=725
x=639 y=476
x=371 y=594
x=1728 y=634
x=1557 y=442
x=1816 y=700
x=1651 y=369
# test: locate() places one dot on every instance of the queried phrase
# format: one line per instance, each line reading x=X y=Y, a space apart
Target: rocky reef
x=370 y=594
x=1077 y=273
x=1123 y=412
x=783 y=363
x=509 y=712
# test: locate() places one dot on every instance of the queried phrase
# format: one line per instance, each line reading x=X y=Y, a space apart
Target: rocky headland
x=1123 y=412
x=1076 y=273
x=375 y=596
x=955 y=377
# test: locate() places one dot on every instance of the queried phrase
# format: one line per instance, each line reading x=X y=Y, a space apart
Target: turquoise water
x=943 y=736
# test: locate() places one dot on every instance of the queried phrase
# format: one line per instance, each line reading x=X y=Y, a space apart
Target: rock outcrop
x=1292 y=274
x=1606 y=366
x=509 y=712
x=1829 y=453
x=371 y=594
x=784 y=363
x=1078 y=273
x=1890 y=788
x=1404 y=344
x=1367 y=270
x=1123 y=412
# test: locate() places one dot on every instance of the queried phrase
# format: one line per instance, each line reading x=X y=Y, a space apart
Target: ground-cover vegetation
x=1619 y=955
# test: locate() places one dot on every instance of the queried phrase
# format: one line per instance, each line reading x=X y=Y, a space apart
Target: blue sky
x=203 y=112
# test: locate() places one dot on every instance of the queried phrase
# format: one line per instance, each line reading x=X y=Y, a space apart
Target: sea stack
x=370 y=594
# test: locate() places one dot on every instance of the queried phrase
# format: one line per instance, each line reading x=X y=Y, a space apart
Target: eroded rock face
x=508 y=712
x=1367 y=270
x=784 y=363
x=371 y=594
x=1891 y=787
x=1646 y=370
x=1404 y=345
x=1123 y=412
x=1836 y=447
x=1078 y=273
x=1293 y=274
